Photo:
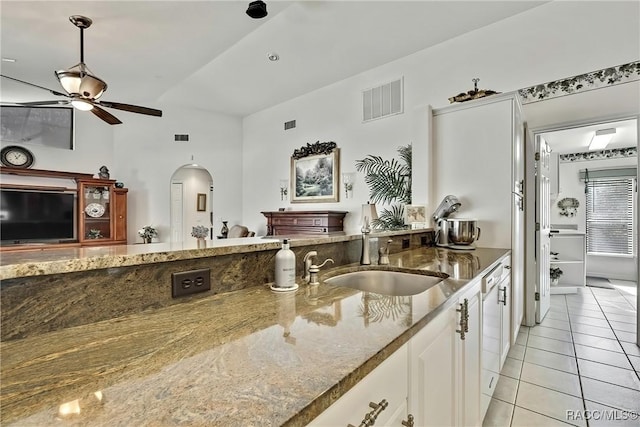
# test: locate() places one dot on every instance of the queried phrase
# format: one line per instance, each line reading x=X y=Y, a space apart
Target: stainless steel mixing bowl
x=463 y=231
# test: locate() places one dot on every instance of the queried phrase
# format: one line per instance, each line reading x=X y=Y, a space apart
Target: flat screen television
x=37 y=216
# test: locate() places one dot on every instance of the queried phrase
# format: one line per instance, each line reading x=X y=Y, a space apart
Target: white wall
x=556 y=40
x=146 y=157
x=571 y=186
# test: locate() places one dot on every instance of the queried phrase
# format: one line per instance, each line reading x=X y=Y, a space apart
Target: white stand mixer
x=449 y=205
x=455 y=233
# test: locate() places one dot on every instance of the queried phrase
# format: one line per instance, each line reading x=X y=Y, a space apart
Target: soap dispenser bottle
x=285 y=268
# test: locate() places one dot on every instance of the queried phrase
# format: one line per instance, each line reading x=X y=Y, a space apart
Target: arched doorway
x=191 y=201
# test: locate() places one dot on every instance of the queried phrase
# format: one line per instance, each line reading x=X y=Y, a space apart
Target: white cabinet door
x=445 y=370
x=388 y=381
x=471 y=359
x=433 y=397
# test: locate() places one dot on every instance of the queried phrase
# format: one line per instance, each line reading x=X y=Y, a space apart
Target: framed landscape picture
x=415 y=214
x=314 y=174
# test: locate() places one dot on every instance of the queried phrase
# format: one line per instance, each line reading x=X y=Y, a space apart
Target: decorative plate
x=94 y=210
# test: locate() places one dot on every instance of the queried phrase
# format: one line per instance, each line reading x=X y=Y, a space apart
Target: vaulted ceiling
x=211 y=55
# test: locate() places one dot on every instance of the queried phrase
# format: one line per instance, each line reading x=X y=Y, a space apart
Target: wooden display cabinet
x=102 y=212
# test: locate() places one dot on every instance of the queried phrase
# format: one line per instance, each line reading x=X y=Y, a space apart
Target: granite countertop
x=250 y=357
x=42 y=260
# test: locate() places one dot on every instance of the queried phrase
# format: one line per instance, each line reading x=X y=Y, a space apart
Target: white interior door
x=518 y=231
x=543 y=227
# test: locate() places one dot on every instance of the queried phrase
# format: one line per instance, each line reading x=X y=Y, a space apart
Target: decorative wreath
x=568 y=206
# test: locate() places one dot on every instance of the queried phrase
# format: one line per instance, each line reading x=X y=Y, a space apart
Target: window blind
x=610 y=216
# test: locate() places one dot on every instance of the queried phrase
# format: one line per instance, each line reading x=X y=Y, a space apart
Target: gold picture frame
x=415 y=214
x=315 y=170
x=201 y=202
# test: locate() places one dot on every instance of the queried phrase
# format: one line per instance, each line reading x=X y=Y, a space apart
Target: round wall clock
x=15 y=156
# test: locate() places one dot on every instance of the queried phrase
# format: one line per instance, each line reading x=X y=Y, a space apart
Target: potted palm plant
x=389 y=182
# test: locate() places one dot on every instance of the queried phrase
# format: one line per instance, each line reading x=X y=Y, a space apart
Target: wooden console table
x=285 y=223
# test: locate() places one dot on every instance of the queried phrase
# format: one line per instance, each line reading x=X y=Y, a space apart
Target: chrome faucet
x=310 y=269
x=383 y=254
x=365 y=257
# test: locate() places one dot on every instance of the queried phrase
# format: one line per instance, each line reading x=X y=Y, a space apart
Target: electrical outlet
x=190 y=282
x=406 y=243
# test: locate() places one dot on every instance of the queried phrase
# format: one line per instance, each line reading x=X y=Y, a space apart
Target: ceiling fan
x=83 y=89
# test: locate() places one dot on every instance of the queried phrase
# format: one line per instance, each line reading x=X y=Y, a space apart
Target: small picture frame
x=201 y=202
x=415 y=214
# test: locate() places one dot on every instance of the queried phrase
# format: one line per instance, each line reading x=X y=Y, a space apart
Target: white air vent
x=382 y=101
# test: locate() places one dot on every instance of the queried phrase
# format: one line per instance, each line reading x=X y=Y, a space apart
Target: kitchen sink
x=387 y=282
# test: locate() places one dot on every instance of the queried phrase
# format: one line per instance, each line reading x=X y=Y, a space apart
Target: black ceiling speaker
x=257 y=9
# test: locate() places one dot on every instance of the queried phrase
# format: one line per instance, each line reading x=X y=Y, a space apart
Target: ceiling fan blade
x=36 y=103
x=104 y=115
x=131 y=108
x=53 y=92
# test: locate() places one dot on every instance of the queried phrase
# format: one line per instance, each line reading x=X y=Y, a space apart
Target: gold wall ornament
x=472 y=94
x=318 y=147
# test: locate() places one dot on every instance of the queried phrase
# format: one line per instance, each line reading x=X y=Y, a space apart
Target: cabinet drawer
x=301 y=221
x=289 y=230
x=388 y=381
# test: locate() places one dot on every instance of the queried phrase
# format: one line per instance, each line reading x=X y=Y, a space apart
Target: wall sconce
x=347 y=181
x=284 y=189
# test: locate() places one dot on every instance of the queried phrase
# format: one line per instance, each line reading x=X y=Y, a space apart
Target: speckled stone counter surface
x=42 y=261
x=53 y=261
x=249 y=357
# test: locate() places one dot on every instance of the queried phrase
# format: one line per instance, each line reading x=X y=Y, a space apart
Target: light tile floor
x=579 y=367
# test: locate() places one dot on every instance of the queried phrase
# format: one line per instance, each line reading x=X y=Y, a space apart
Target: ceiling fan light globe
x=81 y=83
x=70 y=81
x=92 y=87
x=81 y=105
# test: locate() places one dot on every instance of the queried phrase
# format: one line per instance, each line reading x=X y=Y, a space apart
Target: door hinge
x=537 y=157
x=537 y=226
x=537 y=296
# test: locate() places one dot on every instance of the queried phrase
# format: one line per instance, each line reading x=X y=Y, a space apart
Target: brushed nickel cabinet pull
x=370 y=417
x=466 y=315
x=504 y=293
x=464 y=327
